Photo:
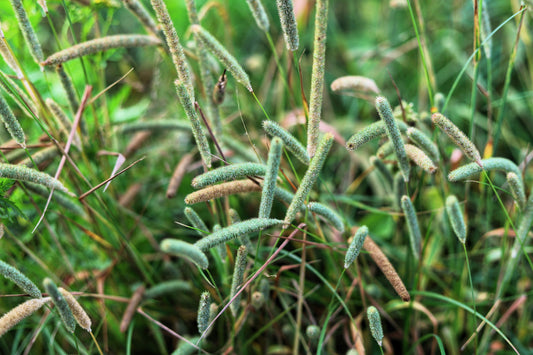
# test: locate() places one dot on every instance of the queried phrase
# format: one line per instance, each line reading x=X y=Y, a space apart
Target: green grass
x=108 y=247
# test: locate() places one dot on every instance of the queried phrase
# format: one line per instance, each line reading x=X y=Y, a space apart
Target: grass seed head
x=458 y=137
x=288 y=23
x=269 y=184
x=238 y=277
x=456 y=218
x=228 y=172
x=185 y=250
x=203 y=312
x=81 y=317
x=355 y=246
x=27 y=31
x=12 y=124
x=393 y=132
x=292 y=144
x=14 y=316
x=20 y=279
x=219 y=51
x=517 y=188
x=415 y=236
x=221 y=190
x=309 y=179
x=100 y=45
x=199 y=136
x=375 y=324
x=235 y=230
x=61 y=304
x=259 y=13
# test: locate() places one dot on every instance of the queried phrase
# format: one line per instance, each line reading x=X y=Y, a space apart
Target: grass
x=103 y=243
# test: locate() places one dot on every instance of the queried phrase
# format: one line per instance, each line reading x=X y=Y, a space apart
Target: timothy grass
x=223 y=107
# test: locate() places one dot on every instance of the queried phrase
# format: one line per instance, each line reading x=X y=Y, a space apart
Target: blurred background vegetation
x=112 y=248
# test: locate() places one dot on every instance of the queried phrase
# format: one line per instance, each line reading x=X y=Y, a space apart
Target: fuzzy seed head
x=458 y=137
x=259 y=13
x=61 y=304
x=22 y=173
x=14 y=316
x=420 y=158
x=517 y=188
x=455 y=216
x=469 y=170
x=238 y=277
x=328 y=213
x=355 y=246
x=235 y=230
x=196 y=221
x=269 y=184
x=203 y=312
x=370 y=132
x=292 y=144
x=228 y=172
x=288 y=24
x=101 y=45
x=12 y=124
x=424 y=142
x=166 y=287
x=81 y=317
x=201 y=140
x=309 y=179
x=222 y=54
x=317 y=76
x=27 y=31
x=221 y=190
x=375 y=324
x=313 y=333
x=258 y=300
x=354 y=83
x=415 y=236
x=174 y=46
x=188 y=251
x=393 y=132
x=20 y=279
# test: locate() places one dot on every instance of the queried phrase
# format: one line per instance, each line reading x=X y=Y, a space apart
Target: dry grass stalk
x=136 y=142
x=177 y=175
x=134 y=302
x=127 y=198
x=386 y=267
x=221 y=190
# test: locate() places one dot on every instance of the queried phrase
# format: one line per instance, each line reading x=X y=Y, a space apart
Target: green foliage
x=110 y=238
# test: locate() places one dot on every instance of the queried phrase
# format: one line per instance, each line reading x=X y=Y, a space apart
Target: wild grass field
x=266 y=177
